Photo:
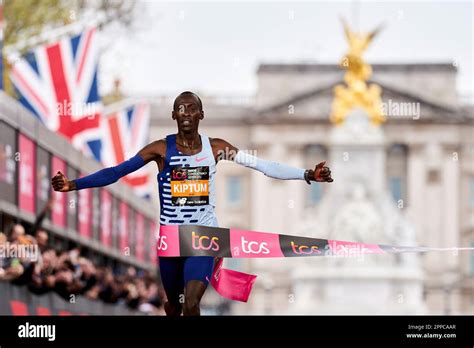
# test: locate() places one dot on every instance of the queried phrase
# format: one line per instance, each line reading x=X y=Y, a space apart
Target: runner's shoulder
x=160 y=146
x=156 y=148
x=218 y=143
x=222 y=149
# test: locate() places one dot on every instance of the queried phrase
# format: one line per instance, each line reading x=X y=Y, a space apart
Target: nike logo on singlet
x=200 y=159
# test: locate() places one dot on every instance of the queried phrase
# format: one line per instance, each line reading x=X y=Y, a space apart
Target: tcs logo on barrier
x=292 y=246
x=254 y=244
x=161 y=243
x=253 y=247
x=304 y=249
x=204 y=242
x=198 y=240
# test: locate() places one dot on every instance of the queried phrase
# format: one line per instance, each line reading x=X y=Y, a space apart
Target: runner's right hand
x=61 y=183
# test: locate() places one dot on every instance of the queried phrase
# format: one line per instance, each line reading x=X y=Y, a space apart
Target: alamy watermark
x=76 y=109
x=21 y=251
x=356 y=251
x=392 y=108
x=246 y=157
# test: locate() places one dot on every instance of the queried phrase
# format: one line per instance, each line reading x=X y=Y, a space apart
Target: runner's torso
x=186 y=186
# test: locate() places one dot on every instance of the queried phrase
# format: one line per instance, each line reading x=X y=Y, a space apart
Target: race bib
x=190 y=186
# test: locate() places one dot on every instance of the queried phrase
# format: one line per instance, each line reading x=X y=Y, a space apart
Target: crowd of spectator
x=69 y=272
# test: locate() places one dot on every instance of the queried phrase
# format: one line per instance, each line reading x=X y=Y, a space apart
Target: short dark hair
x=186 y=93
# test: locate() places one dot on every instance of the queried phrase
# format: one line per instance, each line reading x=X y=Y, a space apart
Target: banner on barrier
x=194 y=240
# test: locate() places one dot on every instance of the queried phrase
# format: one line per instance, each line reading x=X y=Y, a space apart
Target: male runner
x=187 y=166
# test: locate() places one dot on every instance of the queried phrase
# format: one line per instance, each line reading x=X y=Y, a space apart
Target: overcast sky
x=215 y=48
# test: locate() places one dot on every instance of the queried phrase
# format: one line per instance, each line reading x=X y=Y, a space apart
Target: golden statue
x=357 y=93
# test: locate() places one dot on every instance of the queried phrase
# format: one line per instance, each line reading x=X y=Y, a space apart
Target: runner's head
x=187 y=111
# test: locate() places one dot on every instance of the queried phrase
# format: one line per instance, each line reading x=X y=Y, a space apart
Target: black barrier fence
x=18 y=300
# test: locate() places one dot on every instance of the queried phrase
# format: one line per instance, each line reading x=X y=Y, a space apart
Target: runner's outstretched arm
x=224 y=150
x=110 y=175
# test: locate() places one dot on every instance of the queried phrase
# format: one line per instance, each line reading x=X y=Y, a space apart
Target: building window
x=471 y=191
x=234 y=190
x=397 y=158
x=315 y=193
x=396 y=188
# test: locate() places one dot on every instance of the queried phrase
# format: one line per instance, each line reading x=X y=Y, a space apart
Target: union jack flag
x=124 y=133
x=58 y=84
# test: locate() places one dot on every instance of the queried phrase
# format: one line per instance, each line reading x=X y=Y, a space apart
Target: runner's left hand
x=322 y=173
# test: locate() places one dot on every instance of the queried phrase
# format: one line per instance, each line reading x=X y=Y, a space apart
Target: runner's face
x=187 y=114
